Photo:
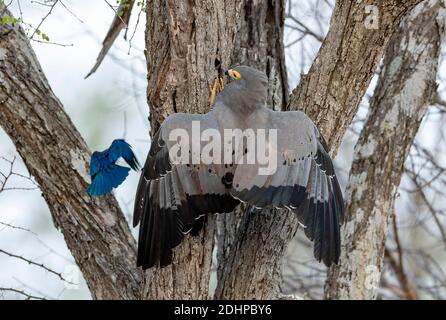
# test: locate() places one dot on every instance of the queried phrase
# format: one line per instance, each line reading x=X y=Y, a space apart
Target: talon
x=213 y=91
x=222 y=83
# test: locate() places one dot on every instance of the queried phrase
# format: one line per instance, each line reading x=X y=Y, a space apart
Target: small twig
x=24 y=286
x=23 y=293
x=136 y=28
x=40 y=265
x=44 y=18
x=8 y=225
x=53 y=43
x=398 y=267
x=408 y=292
x=116 y=12
x=303 y=28
x=71 y=12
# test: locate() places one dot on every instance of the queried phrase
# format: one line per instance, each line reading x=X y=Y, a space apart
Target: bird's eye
x=234 y=74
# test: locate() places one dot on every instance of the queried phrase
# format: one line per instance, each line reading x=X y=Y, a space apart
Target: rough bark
x=95 y=230
x=331 y=93
x=405 y=89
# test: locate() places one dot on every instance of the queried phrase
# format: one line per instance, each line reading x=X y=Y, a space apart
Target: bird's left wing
x=304 y=181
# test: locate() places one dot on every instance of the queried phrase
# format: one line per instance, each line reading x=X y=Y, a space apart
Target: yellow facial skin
x=234 y=74
x=219 y=84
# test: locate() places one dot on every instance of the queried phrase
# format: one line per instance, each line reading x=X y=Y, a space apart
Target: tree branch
x=120 y=21
x=259 y=43
x=183 y=40
x=406 y=88
x=55 y=154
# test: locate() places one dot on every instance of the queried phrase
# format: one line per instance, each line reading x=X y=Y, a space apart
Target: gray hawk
x=173 y=197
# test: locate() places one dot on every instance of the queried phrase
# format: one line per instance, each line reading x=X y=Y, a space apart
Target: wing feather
x=173 y=199
x=304 y=182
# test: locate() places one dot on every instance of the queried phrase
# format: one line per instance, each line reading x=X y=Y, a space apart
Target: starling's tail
x=105 y=180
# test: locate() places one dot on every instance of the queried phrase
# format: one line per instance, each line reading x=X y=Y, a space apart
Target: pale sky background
x=110 y=104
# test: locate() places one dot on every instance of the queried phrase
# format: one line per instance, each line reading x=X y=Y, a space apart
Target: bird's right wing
x=95 y=162
x=105 y=174
x=172 y=198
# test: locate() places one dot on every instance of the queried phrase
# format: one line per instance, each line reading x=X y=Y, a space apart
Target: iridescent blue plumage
x=105 y=174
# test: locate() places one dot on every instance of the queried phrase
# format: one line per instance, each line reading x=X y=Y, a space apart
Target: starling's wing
x=120 y=148
x=105 y=174
x=107 y=179
x=95 y=162
x=304 y=182
x=173 y=197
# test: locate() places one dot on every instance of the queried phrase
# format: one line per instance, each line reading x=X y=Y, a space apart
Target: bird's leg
x=213 y=91
x=219 y=83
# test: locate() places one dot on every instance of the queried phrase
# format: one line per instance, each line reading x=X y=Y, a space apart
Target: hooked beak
x=228 y=76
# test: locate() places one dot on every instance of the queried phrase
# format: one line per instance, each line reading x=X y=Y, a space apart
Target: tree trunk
x=332 y=90
x=94 y=229
x=406 y=88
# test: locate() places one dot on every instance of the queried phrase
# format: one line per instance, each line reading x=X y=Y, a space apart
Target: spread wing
x=105 y=174
x=120 y=148
x=173 y=198
x=97 y=162
x=304 y=182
